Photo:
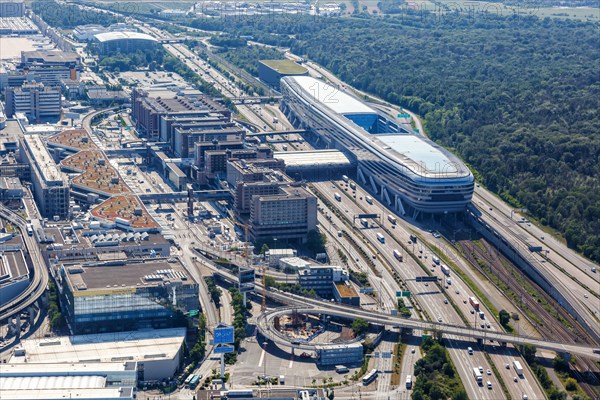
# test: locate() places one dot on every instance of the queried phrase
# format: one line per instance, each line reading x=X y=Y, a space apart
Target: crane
x=263 y=306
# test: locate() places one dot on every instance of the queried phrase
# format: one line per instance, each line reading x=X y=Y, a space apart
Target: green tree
x=504 y=317
x=571 y=384
x=359 y=326
x=264 y=248
x=528 y=351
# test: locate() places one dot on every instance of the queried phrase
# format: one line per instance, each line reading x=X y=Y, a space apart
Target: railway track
x=548 y=327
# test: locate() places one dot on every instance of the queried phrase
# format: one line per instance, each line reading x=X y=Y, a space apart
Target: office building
x=271 y=71
x=107 y=296
x=36 y=101
x=11 y=8
x=409 y=172
x=322 y=278
x=340 y=354
x=50 y=186
x=290 y=214
x=50 y=67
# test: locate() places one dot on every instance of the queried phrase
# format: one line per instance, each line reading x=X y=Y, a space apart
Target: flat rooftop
x=98 y=174
x=12 y=265
x=319 y=158
x=125 y=207
x=42 y=369
x=110 y=393
x=285 y=67
x=51 y=56
x=104 y=347
x=346 y=291
x=45 y=163
x=339 y=102
x=87 y=280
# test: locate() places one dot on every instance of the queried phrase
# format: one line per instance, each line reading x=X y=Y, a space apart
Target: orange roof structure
x=98 y=174
x=126 y=207
x=73 y=138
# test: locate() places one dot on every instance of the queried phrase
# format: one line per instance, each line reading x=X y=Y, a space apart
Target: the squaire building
x=407 y=171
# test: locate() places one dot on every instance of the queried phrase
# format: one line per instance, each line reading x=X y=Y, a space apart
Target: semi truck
x=477 y=375
x=474 y=303
x=380 y=238
x=445 y=270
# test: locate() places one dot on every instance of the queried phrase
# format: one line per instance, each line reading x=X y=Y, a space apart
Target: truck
x=337 y=196
x=478 y=376
x=474 y=303
x=364 y=222
x=369 y=199
x=392 y=219
x=380 y=238
x=518 y=368
x=435 y=260
x=445 y=270
x=345 y=178
x=30 y=229
x=481 y=315
x=408 y=381
x=352 y=185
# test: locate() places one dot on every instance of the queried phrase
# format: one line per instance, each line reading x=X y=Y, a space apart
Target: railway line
x=548 y=328
x=39 y=280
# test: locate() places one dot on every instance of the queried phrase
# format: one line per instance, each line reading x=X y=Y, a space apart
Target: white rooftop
x=121 y=35
x=111 y=393
x=427 y=157
x=338 y=101
x=312 y=158
x=106 y=347
x=44 y=161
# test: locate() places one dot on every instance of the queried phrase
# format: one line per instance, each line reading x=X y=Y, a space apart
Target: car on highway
x=457 y=292
x=507 y=366
x=480 y=369
x=436 y=235
x=489 y=371
x=412 y=350
x=516 y=379
x=445 y=301
x=472 y=311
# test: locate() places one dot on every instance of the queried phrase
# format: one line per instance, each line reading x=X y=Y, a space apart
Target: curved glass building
x=407 y=171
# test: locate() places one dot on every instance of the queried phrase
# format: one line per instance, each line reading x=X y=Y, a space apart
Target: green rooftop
x=286 y=67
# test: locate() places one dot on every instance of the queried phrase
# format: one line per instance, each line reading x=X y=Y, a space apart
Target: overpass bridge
x=315 y=306
x=264 y=135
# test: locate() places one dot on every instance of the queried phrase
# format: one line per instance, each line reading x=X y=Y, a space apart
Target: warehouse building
x=146 y=355
x=271 y=71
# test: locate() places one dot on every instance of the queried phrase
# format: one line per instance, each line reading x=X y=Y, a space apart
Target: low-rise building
x=344 y=354
x=344 y=293
x=274 y=255
x=322 y=278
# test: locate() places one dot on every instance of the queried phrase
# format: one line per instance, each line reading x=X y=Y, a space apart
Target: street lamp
x=265 y=343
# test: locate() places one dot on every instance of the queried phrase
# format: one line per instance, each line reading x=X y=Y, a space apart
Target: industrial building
x=36 y=101
x=50 y=186
x=11 y=8
x=407 y=171
x=316 y=164
x=123 y=42
x=336 y=354
x=271 y=71
x=56 y=381
x=290 y=214
x=151 y=355
x=87 y=33
x=322 y=278
x=147 y=295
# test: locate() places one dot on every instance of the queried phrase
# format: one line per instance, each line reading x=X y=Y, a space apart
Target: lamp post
x=265 y=343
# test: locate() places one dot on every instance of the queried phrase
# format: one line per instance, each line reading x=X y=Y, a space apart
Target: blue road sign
x=224 y=348
x=223 y=334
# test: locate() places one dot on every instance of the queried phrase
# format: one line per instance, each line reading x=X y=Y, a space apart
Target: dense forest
x=515 y=97
x=61 y=15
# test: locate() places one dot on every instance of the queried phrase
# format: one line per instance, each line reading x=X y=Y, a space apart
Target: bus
x=369 y=199
x=370 y=377
x=398 y=255
x=188 y=379
x=194 y=381
x=337 y=196
x=408 y=381
x=392 y=219
x=380 y=238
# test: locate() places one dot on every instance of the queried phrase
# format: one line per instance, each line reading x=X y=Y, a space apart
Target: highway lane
x=457 y=291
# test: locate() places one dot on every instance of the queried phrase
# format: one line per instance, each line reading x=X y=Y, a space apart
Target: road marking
x=291 y=362
x=262 y=358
